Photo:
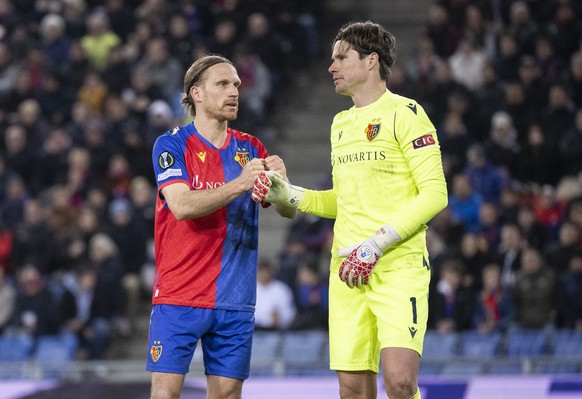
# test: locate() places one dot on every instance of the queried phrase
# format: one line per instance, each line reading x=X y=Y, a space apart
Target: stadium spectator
x=570 y=147
x=539 y=162
x=99 y=40
x=494 y=308
x=489 y=225
x=509 y=252
x=473 y=254
x=311 y=297
x=486 y=179
x=7 y=299
x=570 y=291
x=275 y=307
x=534 y=291
x=464 y=203
x=559 y=253
x=451 y=303
x=467 y=63
x=35 y=304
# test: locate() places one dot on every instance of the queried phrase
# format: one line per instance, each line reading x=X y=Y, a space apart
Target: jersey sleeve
x=420 y=147
x=320 y=203
x=168 y=162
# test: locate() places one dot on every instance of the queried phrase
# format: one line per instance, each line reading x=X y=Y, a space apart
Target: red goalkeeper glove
x=361 y=259
x=272 y=187
x=355 y=270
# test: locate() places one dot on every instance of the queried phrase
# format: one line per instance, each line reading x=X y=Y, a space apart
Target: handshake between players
x=271 y=186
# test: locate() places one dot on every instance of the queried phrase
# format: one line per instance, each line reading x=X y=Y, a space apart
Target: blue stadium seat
x=266 y=346
x=439 y=346
x=462 y=368
x=526 y=342
x=501 y=368
x=56 y=348
x=480 y=345
x=304 y=346
x=566 y=343
x=430 y=368
x=557 y=367
x=15 y=348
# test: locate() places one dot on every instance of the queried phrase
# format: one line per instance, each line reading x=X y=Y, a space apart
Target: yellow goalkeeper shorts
x=391 y=311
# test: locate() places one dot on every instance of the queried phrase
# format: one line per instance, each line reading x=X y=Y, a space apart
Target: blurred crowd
x=502 y=82
x=86 y=86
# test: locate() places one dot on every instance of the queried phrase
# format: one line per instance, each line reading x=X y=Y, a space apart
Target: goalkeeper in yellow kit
x=388 y=182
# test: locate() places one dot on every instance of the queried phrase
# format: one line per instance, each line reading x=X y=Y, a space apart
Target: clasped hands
x=360 y=260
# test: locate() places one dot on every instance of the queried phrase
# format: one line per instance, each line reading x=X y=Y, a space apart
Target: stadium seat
x=502 y=367
x=266 y=346
x=56 y=348
x=464 y=368
x=15 y=348
x=479 y=345
x=526 y=342
x=303 y=346
x=439 y=346
x=566 y=343
x=557 y=366
x=430 y=368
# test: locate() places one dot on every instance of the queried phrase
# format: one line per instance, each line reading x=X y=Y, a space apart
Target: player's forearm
x=198 y=203
x=431 y=199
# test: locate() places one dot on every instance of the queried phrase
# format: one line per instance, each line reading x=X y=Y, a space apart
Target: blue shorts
x=226 y=338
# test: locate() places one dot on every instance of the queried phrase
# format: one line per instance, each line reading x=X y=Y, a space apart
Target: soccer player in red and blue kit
x=206 y=236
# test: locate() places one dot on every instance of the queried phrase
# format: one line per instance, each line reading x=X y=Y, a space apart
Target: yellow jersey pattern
x=386 y=168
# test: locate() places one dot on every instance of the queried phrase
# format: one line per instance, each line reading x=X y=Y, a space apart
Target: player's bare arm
x=190 y=204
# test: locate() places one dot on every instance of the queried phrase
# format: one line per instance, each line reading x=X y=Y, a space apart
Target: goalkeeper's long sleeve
x=319 y=203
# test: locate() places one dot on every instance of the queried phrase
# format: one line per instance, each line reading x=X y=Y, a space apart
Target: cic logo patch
x=373 y=129
x=423 y=141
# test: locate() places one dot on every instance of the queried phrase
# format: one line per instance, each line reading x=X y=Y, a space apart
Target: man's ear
x=195 y=93
x=373 y=60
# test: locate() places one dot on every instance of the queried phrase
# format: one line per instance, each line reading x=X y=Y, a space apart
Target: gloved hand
x=361 y=259
x=272 y=187
x=356 y=269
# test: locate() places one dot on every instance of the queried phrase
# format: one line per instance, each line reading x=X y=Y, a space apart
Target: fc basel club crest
x=373 y=129
x=242 y=157
x=156 y=351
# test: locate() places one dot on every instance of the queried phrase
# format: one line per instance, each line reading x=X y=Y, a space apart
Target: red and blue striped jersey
x=207 y=262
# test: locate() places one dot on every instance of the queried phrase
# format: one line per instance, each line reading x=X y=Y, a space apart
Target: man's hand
x=361 y=259
x=356 y=269
x=272 y=187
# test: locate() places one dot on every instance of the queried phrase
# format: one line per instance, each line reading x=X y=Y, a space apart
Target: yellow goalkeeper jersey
x=386 y=169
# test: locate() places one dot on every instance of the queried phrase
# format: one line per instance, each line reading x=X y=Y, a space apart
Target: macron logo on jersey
x=423 y=141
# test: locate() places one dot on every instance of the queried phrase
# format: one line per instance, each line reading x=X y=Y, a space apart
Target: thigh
x=166 y=385
x=227 y=345
x=357 y=384
x=173 y=335
x=400 y=304
x=353 y=343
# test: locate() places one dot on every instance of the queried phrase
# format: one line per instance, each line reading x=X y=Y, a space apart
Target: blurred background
x=86 y=86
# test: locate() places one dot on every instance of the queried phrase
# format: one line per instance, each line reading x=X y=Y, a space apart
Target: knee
x=401 y=387
x=165 y=394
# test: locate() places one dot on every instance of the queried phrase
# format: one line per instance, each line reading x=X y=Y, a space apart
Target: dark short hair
x=368 y=37
x=196 y=74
